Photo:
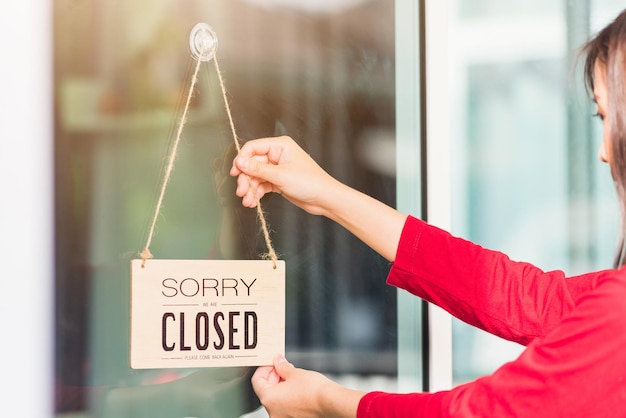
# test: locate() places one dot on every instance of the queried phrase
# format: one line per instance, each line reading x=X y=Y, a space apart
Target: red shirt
x=574 y=330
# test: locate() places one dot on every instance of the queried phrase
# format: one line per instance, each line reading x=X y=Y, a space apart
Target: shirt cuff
x=406 y=253
x=381 y=404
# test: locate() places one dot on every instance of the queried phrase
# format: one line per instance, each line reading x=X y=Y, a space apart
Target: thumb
x=283 y=367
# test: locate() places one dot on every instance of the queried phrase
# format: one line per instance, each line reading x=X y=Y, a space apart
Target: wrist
x=336 y=202
x=338 y=402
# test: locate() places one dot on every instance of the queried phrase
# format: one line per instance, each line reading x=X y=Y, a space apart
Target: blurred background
x=526 y=178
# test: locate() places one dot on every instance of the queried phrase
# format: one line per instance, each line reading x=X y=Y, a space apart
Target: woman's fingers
x=251 y=190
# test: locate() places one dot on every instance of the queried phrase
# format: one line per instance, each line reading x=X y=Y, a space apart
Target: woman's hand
x=286 y=391
x=279 y=165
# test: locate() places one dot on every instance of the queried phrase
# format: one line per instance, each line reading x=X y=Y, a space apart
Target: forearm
x=370 y=220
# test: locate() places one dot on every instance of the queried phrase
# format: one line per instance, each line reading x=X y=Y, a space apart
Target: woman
x=574 y=329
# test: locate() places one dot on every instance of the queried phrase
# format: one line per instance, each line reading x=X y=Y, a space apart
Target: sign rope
x=146 y=254
x=271 y=254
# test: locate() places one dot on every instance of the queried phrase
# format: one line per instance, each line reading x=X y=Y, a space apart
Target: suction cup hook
x=202 y=42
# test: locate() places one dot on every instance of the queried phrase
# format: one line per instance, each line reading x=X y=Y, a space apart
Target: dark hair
x=608 y=48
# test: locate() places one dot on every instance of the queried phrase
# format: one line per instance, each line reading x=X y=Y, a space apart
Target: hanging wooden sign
x=203 y=313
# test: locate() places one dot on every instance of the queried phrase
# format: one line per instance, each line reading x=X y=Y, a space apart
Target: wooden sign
x=203 y=313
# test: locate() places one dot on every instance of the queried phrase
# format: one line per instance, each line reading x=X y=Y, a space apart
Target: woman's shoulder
x=613 y=277
x=609 y=291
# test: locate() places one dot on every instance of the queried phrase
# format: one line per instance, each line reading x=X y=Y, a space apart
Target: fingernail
x=280 y=359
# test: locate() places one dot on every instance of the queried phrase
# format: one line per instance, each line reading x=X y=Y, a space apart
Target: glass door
x=334 y=75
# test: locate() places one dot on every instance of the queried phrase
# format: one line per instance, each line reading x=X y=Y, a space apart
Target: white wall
x=26 y=209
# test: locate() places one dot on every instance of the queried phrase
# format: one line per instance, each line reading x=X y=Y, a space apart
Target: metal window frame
x=423 y=179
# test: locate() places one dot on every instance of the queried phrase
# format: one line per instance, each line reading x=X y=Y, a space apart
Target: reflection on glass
x=322 y=72
x=527 y=179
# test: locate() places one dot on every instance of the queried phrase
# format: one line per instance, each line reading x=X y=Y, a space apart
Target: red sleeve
x=484 y=288
x=578 y=369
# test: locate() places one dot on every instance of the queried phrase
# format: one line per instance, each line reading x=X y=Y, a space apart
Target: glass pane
x=321 y=72
x=527 y=180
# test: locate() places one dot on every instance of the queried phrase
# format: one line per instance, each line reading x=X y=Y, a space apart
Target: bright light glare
x=316 y=6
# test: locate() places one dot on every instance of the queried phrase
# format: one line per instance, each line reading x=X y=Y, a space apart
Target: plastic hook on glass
x=202 y=42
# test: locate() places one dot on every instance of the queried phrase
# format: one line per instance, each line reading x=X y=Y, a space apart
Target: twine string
x=146 y=254
x=271 y=253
